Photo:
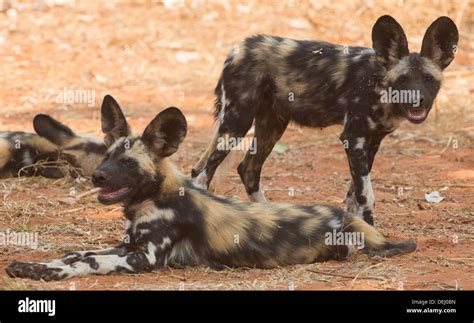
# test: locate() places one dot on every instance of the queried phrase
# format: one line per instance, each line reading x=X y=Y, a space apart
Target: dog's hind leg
x=235 y=117
x=269 y=128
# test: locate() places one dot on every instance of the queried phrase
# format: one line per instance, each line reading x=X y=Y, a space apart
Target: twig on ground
x=346 y=276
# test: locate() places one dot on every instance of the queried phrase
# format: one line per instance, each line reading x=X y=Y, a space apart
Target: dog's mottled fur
x=170 y=221
x=54 y=151
x=273 y=81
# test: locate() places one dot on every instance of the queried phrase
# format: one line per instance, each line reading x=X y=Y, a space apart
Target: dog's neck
x=172 y=181
x=170 y=184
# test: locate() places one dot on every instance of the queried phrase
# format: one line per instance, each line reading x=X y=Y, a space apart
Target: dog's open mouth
x=416 y=115
x=109 y=197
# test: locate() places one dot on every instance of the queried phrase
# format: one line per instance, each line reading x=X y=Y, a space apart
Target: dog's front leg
x=74 y=256
x=100 y=264
x=360 y=198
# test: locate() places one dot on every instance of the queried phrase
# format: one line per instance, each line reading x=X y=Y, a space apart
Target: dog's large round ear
x=440 y=42
x=52 y=129
x=114 y=124
x=389 y=41
x=165 y=132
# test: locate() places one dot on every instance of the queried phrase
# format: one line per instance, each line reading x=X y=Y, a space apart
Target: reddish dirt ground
x=135 y=51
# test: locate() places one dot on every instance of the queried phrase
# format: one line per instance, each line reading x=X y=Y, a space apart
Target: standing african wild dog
x=45 y=153
x=275 y=80
x=171 y=221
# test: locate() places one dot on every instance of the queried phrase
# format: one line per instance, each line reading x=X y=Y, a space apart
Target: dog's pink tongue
x=108 y=194
x=417 y=113
x=112 y=194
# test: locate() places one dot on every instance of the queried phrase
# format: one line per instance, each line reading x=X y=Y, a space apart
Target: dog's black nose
x=99 y=177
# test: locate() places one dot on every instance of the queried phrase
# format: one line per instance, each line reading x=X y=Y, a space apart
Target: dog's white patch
x=147 y=212
x=27 y=159
x=144 y=231
x=166 y=242
x=360 y=143
x=351 y=249
x=342 y=101
x=258 y=196
x=128 y=225
x=345 y=120
x=371 y=123
x=151 y=253
x=367 y=190
x=183 y=253
x=119 y=142
x=106 y=265
x=224 y=103
x=93 y=139
x=200 y=181
x=335 y=224
x=60 y=262
x=361 y=53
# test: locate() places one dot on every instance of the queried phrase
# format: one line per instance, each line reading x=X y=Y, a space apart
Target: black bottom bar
x=291 y=305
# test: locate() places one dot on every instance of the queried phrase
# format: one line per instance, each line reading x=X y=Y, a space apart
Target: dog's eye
x=428 y=78
x=402 y=79
x=130 y=163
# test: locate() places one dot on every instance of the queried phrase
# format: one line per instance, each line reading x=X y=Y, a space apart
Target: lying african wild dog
x=275 y=80
x=46 y=152
x=172 y=221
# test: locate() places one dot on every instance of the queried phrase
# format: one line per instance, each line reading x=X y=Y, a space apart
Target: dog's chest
x=381 y=118
x=147 y=222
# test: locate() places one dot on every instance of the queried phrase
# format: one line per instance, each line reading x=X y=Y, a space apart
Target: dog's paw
x=23 y=269
x=72 y=257
x=34 y=271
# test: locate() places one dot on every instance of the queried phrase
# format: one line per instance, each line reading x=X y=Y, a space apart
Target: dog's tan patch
x=428 y=67
x=400 y=68
x=224 y=228
x=5 y=153
x=172 y=182
x=140 y=153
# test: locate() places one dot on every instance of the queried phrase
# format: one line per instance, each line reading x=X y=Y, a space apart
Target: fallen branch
x=182 y=278
x=74 y=199
x=403 y=183
x=447 y=145
x=347 y=276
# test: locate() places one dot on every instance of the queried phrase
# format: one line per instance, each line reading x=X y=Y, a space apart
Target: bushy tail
x=218 y=114
x=375 y=242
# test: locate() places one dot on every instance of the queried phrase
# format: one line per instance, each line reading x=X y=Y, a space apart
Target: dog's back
x=222 y=231
x=309 y=82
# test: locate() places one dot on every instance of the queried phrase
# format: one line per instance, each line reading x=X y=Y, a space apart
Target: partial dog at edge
x=53 y=152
